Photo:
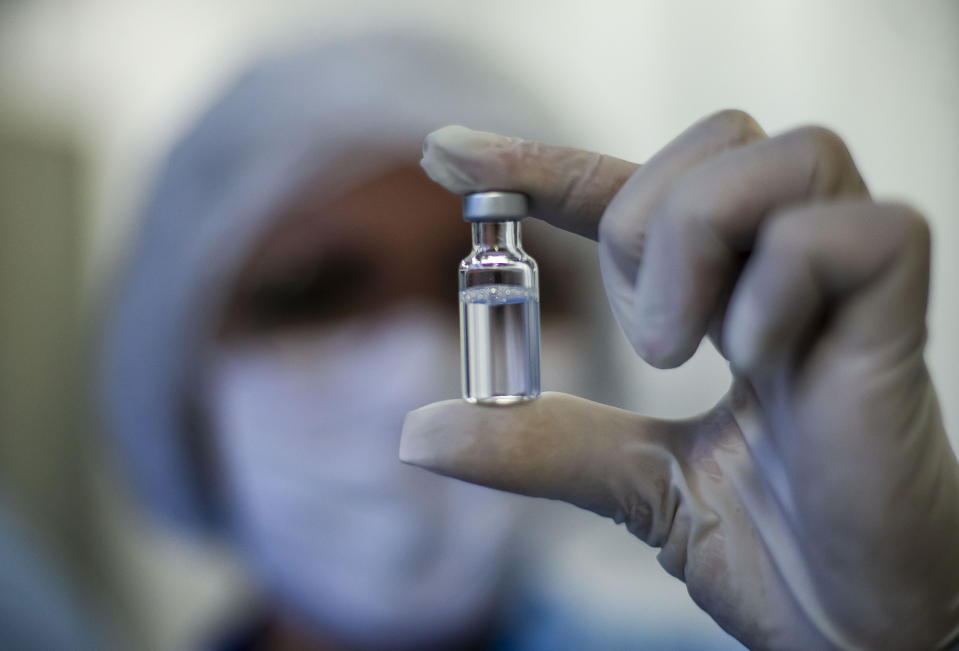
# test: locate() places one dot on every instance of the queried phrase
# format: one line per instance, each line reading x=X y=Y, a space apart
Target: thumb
x=607 y=460
x=569 y=188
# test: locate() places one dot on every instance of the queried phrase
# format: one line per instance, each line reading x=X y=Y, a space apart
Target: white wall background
x=125 y=76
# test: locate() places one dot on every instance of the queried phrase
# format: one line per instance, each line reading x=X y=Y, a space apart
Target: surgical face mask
x=371 y=551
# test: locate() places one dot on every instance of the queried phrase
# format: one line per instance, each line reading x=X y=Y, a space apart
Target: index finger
x=568 y=188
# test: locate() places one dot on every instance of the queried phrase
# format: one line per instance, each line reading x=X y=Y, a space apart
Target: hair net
x=282 y=124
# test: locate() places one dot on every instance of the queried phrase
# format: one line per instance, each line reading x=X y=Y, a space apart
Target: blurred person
x=816 y=506
x=291 y=295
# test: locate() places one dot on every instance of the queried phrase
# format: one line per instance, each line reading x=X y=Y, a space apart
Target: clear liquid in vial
x=499 y=336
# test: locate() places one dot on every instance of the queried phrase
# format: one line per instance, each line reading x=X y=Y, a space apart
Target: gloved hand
x=817 y=505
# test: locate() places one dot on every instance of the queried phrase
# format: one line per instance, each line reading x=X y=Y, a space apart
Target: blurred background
x=93 y=96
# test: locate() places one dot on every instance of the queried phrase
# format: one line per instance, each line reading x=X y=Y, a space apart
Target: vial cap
x=494 y=206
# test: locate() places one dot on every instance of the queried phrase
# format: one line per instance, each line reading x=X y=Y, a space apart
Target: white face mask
x=308 y=425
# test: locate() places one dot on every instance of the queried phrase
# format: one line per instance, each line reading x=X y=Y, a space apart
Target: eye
x=329 y=289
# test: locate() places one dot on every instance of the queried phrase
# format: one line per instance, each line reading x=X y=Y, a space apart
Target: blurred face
x=342 y=320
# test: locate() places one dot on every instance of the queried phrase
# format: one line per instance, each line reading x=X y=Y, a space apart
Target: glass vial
x=499 y=304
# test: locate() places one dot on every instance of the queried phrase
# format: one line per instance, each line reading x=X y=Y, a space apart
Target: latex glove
x=817 y=505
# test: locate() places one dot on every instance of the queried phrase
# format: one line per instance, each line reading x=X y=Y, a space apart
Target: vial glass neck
x=496 y=235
